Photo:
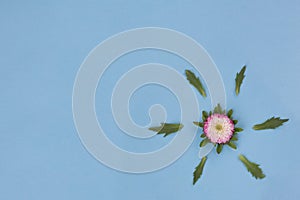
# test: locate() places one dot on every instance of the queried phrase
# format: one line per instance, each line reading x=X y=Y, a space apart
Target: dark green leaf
x=204 y=115
x=231 y=144
x=200 y=124
x=219 y=148
x=204 y=142
x=237 y=129
x=218 y=109
x=202 y=135
x=235 y=121
x=239 y=80
x=195 y=81
x=166 y=128
x=199 y=169
x=229 y=113
x=271 y=123
x=252 y=167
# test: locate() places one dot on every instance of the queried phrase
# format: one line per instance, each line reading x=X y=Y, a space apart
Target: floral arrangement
x=220 y=128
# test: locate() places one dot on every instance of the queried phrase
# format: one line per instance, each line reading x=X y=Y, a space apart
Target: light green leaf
x=166 y=128
x=218 y=109
x=271 y=123
x=195 y=81
x=231 y=144
x=219 y=148
x=252 y=167
x=204 y=142
x=200 y=124
x=239 y=80
x=199 y=169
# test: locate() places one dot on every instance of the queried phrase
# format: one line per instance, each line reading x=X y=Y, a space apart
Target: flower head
x=218 y=128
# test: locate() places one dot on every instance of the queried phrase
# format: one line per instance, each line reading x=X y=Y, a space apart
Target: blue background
x=42 y=45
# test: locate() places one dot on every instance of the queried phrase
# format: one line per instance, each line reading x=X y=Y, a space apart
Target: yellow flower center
x=219 y=127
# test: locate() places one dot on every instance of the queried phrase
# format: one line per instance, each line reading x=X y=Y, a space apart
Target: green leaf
x=237 y=129
x=252 y=167
x=219 y=148
x=235 y=121
x=218 y=109
x=204 y=115
x=199 y=169
x=200 y=124
x=271 y=123
x=202 y=135
x=204 y=142
x=229 y=113
x=166 y=128
x=195 y=81
x=239 y=80
x=234 y=138
x=231 y=144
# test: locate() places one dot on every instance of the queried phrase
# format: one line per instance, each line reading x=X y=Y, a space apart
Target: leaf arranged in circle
x=204 y=142
x=231 y=144
x=239 y=80
x=204 y=115
x=166 y=128
x=219 y=148
x=200 y=124
x=229 y=113
x=252 y=167
x=271 y=123
x=218 y=109
x=199 y=169
x=238 y=129
x=195 y=81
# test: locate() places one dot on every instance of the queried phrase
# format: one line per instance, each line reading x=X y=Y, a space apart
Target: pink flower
x=218 y=128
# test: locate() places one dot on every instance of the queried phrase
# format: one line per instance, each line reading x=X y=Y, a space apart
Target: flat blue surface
x=42 y=45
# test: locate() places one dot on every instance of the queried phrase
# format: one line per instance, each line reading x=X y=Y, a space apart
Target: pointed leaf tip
x=252 y=167
x=195 y=81
x=199 y=169
x=166 y=128
x=239 y=80
x=271 y=123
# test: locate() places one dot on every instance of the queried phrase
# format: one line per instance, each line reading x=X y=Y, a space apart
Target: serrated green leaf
x=200 y=124
x=218 y=109
x=166 y=128
x=199 y=169
x=202 y=135
x=195 y=81
x=239 y=80
x=219 y=148
x=229 y=113
x=237 y=129
x=204 y=115
x=271 y=123
x=231 y=144
x=204 y=142
x=252 y=167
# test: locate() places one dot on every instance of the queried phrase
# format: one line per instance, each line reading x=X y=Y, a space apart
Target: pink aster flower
x=218 y=128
